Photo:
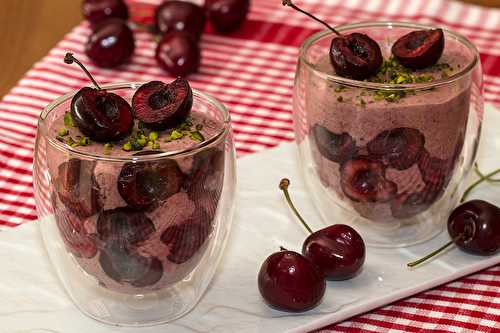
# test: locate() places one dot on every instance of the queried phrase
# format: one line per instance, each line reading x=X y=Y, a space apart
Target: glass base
x=120 y=309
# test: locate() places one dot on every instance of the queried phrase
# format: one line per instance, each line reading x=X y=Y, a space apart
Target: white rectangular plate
x=33 y=299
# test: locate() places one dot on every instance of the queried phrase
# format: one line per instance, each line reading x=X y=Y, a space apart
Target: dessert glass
x=141 y=268
x=440 y=121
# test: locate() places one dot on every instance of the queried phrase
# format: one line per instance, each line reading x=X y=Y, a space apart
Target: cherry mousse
x=137 y=223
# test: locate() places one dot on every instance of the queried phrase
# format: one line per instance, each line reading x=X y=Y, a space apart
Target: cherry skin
x=338 y=250
x=475 y=227
x=163 y=105
x=97 y=11
x=111 y=44
x=99 y=114
x=227 y=15
x=337 y=147
x=289 y=281
x=177 y=15
x=419 y=49
x=178 y=53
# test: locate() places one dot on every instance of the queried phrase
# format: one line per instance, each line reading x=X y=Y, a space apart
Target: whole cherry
x=97 y=11
x=419 y=49
x=289 y=281
x=355 y=55
x=178 y=15
x=99 y=114
x=178 y=53
x=111 y=44
x=474 y=226
x=337 y=250
x=227 y=15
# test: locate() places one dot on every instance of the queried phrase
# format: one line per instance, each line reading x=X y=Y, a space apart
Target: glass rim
x=388 y=86
x=213 y=140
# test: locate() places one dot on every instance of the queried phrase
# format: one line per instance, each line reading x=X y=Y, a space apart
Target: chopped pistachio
x=340 y=88
x=142 y=142
x=127 y=146
x=108 y=147
x=63 y=132
x=84 y=141
x=136 y=145
x=153 y=136
x=340 y=99
x=71 y=142
x=424 y=78
x=142 y=136
x=60 y=138
x=196 y=136
x=68 y=120
x=176 y=135
x=156 y=146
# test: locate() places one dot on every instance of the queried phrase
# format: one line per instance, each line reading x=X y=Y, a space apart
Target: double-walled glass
x=129 y=266
x=388 y=159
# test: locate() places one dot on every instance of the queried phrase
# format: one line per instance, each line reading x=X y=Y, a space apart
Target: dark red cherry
x=124 y=226
x=110 y=44
x=97 y=11
x=338 y=250
x=355 y=56
x=178 y=53
x=160 y=105
x=419 y=49
x=77 y=187
x=289 y=281
x=227 y=15
x=363 y=180
x=123 y=265
x=177 y=15
x=475 y=227
x=144 y=185
x=397 y=148
x=186 y=239
x=335 y=147
x=76 y=239
x=98 y=114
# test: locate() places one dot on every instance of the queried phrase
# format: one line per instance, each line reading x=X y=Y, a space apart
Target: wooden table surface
x=30 y=28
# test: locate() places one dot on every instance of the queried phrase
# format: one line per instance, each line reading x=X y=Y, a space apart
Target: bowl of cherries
x=177 y=27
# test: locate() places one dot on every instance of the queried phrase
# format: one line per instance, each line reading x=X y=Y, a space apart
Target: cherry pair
x=296 y=282
x=358 y=56
x=105 y=116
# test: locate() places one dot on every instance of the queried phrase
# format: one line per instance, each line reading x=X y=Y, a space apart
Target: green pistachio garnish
x=68 y=120
x=340 y=88
x=156 y=146
x=84 y=141
x=196 y=136
x=175 y=135
x=127 y=146
x=71 y=142
x=108 y=147
x=142 y=142
x=63 y=132
x=153 y=136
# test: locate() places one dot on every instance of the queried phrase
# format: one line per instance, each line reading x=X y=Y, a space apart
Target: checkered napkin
x=251 y=71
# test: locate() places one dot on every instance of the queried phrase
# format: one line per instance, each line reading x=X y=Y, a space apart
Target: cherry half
x=178 y=15
x=338 y=250
x=178 y=53
x=111 y=44
x=474 y=226
x=333 y=146
x=289 y=281
x=98 y=114
x=355 y=55
x=419 y=49
x=227 y=15
x=163 y=105
x=97 y=11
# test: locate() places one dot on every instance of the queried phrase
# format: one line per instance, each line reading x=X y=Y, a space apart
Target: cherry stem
x=284 y=183
x=432 y=254
x=290 y=4
x=477 y=182
x=69 y=59
x=482 y=175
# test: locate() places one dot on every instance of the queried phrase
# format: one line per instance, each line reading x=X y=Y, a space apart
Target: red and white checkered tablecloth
x=251 y=71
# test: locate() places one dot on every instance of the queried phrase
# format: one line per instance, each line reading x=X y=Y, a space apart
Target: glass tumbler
x=129 y=266
x=388 y=159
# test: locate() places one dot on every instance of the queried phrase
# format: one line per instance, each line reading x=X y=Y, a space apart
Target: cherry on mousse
x=163 y=105
x=337 y=250
x=474 y=226
x=289 y=281
x=419 y=49
x=99 y=114
x=355 y=55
